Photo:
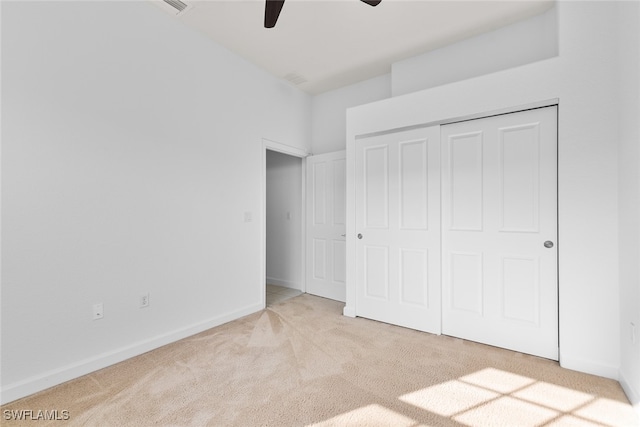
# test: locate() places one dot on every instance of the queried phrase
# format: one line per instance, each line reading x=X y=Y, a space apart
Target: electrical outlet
x=98 y=311
x=144 y=300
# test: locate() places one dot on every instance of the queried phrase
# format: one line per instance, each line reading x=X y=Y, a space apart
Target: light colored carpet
x=277 y=294
x=301 y=363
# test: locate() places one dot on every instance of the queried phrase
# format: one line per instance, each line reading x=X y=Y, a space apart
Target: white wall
x=521 y=43
x=524 y=42
x=284 y=220
x=329 y=111
x=132 y=147
x=629 y=195
x=583 y=77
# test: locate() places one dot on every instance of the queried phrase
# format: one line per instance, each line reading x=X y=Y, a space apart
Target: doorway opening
x=283 y=225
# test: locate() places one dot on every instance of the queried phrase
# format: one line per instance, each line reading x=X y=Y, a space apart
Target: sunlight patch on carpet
x=571 y=421
x=607 y=412
x=371 y=415
x=497 y=380
x=554 y=396
x=494 y=397
x=449 y=398
x=507 y=411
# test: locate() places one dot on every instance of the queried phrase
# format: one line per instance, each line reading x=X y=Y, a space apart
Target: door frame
x=374 y=126
x=271 y=145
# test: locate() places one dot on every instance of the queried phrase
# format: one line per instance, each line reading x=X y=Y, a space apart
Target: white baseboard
x=632 y=394
x=66 y=373
x=283 y=283
x=349 y=311
x=589 y=367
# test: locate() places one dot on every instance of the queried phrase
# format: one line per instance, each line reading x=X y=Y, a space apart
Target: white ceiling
x=334 y=43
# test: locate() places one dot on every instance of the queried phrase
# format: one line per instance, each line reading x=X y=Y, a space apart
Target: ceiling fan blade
x=371 y=2
x=272 y=10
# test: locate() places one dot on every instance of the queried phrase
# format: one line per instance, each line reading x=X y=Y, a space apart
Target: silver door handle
x=548 y=244
x=343 y=235
x=359 y=236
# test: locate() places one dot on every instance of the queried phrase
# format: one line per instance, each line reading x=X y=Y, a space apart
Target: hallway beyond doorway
x=277 y=294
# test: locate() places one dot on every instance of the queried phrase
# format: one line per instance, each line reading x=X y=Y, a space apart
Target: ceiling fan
x=273 y=7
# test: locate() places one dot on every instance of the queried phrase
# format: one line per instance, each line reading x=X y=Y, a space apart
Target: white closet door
x=499 y=231
x=398 y=226
x=326 y=225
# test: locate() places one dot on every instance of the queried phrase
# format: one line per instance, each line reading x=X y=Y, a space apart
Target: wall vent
x=178 y=6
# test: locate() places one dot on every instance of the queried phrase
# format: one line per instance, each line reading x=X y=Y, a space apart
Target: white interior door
x=398 y=226
x=499 y=207
x=326 y=225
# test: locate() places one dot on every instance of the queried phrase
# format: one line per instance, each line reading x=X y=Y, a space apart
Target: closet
x=456 y=229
